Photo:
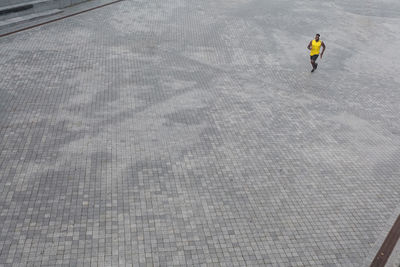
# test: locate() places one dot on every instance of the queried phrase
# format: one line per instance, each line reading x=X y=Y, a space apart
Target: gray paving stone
x=192 y=133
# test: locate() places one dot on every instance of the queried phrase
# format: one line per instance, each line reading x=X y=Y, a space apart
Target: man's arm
x=309 y=45
x=323 y=48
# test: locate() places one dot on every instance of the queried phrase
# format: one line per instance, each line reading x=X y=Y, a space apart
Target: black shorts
x=314 y=57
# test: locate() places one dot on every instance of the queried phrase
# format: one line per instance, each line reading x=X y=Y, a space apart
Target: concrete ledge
x=26 y=8
x=16 y=26
x=12 y=15
x=12 y=9
x=11 y=2
x=6 y=4
x=17 y=20
x=66 y=3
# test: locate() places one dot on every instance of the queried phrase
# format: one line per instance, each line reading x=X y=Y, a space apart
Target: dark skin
x=314 y=65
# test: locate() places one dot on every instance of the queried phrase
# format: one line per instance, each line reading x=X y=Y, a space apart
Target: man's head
x=317 y=37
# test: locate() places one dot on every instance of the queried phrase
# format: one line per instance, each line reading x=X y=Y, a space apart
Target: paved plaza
x=187 y=133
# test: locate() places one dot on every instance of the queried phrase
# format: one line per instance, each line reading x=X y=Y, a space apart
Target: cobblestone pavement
x=183 y=132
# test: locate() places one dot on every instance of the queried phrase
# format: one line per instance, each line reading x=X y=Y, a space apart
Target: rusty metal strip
x=388 y=245
x=57 y=19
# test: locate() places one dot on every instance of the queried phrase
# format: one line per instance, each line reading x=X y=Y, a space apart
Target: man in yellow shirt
x=314 y=46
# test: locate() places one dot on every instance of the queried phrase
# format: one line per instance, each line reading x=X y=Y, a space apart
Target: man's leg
x=313 y=64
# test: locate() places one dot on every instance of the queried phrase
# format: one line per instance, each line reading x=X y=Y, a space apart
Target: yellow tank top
x=315 y=47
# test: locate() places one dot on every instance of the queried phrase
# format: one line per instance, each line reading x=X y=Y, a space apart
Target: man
x=314 y=46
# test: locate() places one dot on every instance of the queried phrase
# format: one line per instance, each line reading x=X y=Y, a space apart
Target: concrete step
x=17 y=20
x=26 y=8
